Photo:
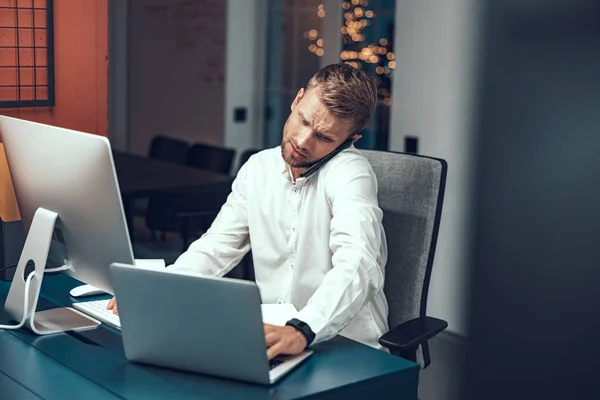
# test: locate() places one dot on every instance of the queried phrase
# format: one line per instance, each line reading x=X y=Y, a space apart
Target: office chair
x=211 y=158
x=190 y=211
x=411 y=194
x=167 y=149
x=201 y=217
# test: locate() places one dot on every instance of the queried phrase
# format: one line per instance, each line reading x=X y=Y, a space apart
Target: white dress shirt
x=317 y=243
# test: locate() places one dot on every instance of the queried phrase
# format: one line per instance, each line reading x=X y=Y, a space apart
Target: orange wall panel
x=81 y=69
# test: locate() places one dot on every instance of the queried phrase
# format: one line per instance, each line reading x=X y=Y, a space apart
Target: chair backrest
x=211 y=158
x=168 y=149
x=411 y=193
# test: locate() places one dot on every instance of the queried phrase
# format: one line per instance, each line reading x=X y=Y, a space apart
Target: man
x=317 y=241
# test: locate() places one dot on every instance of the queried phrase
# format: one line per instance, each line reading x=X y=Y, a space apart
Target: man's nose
x=304 y=137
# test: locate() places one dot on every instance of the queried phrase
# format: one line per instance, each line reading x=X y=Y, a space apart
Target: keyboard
x=274 y=363
x=97 y=309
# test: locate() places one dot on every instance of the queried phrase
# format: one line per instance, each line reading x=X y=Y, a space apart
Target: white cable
x=58 y=269
x=26 y=300
x=25 y=307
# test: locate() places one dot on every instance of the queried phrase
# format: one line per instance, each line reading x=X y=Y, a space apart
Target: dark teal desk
x=92 y=365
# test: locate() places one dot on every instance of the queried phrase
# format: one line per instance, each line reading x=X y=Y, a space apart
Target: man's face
x=311 y=131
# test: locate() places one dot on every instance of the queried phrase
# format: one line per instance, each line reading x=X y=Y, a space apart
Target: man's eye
x=325 y=139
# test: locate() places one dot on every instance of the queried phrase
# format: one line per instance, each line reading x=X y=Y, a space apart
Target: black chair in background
x=200 y=218
x=210 y=158
x=169 y=149
x=191 y=211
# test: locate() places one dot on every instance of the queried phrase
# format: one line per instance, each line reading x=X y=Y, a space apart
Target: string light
x=313 y=35
x=357 y=17
x=321 y=11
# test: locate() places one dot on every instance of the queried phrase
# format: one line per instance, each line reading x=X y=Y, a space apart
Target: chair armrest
x=412 y=333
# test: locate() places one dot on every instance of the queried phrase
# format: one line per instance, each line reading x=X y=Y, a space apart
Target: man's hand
x=283 y=340
x=112 y=305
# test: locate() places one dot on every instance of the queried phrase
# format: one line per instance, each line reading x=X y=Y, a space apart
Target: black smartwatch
x=303 y=328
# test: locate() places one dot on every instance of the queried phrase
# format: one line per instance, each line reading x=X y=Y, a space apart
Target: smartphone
x=315 y=167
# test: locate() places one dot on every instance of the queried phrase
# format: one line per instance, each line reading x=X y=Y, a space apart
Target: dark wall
x=535 y=301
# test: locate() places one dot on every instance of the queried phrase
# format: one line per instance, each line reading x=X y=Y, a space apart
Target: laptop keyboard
x=274 y=363
x=97 y=309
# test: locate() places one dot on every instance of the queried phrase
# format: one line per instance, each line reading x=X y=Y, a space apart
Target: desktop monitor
x=72 y=174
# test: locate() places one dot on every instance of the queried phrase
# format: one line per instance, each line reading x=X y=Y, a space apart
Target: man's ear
x=297 y=99
x=356 y=137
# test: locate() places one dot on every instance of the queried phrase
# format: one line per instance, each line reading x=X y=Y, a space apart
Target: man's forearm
x=345 y=290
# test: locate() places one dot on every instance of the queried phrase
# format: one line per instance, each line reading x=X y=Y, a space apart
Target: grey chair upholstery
x=411 y=192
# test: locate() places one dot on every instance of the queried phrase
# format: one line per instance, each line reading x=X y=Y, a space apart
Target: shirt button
x=279 y=301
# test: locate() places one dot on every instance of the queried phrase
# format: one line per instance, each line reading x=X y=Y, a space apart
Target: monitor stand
x=37 y=245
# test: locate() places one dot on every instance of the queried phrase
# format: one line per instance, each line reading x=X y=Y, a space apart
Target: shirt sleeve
x=357 y=242
x=224 y=244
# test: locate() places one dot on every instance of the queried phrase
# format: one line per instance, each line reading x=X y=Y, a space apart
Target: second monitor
x=71 y=174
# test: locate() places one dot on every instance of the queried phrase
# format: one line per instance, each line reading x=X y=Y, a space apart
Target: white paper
x=151 y=263
x=277 y=314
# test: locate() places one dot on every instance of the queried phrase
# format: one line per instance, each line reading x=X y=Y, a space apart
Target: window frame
x=50 y=100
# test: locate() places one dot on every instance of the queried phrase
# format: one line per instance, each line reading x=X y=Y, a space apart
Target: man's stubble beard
x=287 y=154
x=290 y=160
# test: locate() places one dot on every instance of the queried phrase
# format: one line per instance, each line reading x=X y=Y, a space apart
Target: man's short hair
x=348 y=93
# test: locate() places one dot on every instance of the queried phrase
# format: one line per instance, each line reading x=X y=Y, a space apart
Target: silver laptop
x=193 y=323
